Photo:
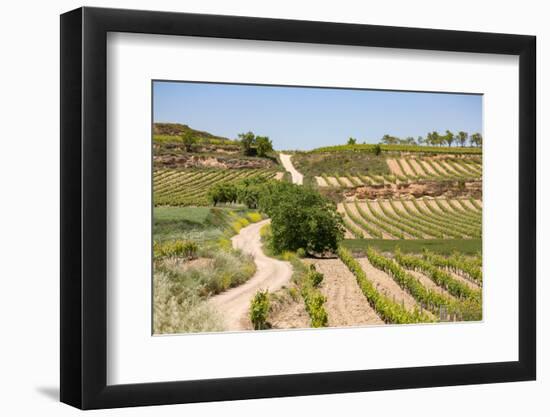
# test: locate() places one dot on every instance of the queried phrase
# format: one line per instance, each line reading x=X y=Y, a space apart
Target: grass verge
x=440 y=246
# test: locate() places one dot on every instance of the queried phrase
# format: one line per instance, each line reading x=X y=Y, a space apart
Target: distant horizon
x=305 y=118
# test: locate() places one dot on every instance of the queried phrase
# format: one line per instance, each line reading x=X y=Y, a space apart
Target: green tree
x=188 y=140
x=389 y=140
x=223 y=193
x=434 y=139
x=301 y=218
x=263 y=145
x=476 y=139
x=449 y=137
x=462 y=137
x=352 y=141
x=247 y=141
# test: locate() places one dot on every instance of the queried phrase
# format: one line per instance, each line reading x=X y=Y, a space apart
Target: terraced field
x=424 y=218
x=406 y=169
x=190 y=187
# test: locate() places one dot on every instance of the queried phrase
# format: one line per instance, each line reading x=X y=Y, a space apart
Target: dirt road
x=271 y=274
x=297 y=178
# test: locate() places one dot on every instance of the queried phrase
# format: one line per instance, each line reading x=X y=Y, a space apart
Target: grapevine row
x=388 y=310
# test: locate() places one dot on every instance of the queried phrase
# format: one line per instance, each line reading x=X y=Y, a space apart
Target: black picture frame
x=84 y=207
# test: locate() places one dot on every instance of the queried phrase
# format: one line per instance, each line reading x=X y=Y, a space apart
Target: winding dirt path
x=297 y=178
x=271 y=274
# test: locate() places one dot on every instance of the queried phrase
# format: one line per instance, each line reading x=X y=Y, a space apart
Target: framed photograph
x=259 y=208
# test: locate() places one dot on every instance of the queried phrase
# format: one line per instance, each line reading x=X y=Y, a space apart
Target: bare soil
x=394 y=167
x=468 y=204
x=463 y=280
x=448 y=167
x=428 y=283
x=365 y=208
x=419 y=168
x=321 y=182
x=346 y=305
x=347 y=233
x=387 y=286
x=376 y=207
x=286 y=312
x=346 y=181
x=407 y=167
x=429 y=202
x=427 y=167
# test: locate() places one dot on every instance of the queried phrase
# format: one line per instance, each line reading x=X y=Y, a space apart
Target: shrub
x=315 y=278
x=259 y=309
x=254 y=217
x=301 y=253
x=239 y=224
x=314 y=302
x=175 y=249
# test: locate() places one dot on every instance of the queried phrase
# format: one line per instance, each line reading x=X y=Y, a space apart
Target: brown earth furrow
x=321 y=182
x=395 y=169
x=419 y=168
x=346 y=181
x=407 y=167
x=346 y=305
x=365 y=208
x=428 y=283
x=387 y=286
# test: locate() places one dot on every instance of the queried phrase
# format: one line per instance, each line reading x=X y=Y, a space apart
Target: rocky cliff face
x=420 y=189
x=206 y=161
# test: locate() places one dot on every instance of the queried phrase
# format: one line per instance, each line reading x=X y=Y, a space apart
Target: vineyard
x=407 y=170
x=369 y=235
x=417 y=289
x=190 y=187
x=426 y=218
x=368 y=148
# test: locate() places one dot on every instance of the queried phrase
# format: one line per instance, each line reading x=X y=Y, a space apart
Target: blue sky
x=307 y=118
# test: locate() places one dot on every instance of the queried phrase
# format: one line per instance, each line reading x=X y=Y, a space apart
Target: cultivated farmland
x=246 y=238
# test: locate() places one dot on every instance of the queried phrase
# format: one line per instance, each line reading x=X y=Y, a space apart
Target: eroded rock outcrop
x=419 y=189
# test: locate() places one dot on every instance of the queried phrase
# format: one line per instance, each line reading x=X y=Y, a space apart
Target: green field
x=317 y=164
x=442 y=246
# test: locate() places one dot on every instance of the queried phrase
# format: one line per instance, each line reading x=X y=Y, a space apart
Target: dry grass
x=180 y=310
